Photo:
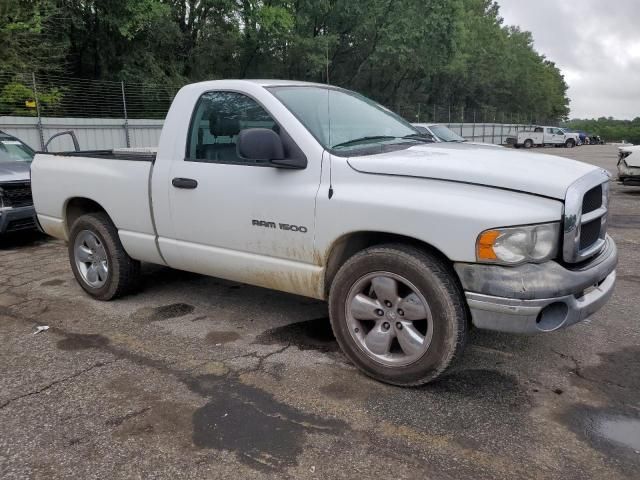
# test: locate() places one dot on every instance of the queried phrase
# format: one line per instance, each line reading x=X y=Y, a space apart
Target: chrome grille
x=585 y=216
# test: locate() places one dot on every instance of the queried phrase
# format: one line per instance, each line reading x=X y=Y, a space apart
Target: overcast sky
x=595 y=43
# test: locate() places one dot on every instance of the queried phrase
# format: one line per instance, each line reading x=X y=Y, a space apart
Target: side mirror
x=266 y=145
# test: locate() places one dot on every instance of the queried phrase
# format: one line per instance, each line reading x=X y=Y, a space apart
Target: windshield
x=446 y=134
x=12 y=150
x=343 y=120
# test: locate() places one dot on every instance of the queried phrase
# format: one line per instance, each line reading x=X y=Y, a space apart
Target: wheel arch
x=351 y=243
x=75 y=207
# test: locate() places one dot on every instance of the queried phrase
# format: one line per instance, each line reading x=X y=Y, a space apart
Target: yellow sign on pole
x=30 y=103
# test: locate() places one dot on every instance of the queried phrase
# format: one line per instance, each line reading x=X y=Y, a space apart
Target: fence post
x=39 y=124
x=126 y=118
x=484 y=125
x=473 y=130
x=449 y=116
x=434 y=113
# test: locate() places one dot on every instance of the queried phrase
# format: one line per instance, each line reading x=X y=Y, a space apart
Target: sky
x=596 y=45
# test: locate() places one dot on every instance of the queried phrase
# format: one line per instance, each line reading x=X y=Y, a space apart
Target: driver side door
x=239 y=219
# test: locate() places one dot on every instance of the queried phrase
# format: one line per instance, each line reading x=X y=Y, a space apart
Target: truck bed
x=132 y=154
x=117 y=180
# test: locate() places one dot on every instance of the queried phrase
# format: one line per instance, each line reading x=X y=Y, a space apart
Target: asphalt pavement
x=196 y=377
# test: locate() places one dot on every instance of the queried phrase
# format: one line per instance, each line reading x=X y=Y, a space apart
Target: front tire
x=98 y=260
x=398 y=314
x=570 y=143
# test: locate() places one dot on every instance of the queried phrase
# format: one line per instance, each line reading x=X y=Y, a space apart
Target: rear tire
x=98 y=260
x=373 y=301
x=528 y=143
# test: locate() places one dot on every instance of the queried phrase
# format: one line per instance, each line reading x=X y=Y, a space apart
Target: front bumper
x=17 y=219
x=534 y=298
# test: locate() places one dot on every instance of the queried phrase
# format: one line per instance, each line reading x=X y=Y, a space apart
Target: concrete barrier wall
x=107 y=133
x=92 y=133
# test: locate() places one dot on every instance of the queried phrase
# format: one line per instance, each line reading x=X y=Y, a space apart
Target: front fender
x=446 y=215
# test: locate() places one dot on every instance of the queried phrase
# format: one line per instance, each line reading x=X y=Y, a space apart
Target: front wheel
x=398 y=314
x=98 y=260
x=570 y=143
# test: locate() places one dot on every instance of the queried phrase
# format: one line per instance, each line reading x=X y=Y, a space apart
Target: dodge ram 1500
x=318 y=191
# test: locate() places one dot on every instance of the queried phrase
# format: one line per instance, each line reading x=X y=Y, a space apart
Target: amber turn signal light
x=484 y=246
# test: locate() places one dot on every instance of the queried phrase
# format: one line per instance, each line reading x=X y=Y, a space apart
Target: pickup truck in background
x=442 y=133
x=16 y=205
x=543 y=136
x=318 y=191
x=629 y=165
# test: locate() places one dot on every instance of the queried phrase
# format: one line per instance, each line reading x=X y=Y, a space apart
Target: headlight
x=515 y=245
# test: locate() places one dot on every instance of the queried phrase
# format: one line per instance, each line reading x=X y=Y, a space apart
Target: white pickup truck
x=317 y=191
x=543 y=136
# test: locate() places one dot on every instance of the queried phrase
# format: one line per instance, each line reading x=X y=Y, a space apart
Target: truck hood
x=14 y=171
x=535 y=173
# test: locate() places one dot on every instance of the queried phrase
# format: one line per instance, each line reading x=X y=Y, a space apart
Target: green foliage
x=609 y=129
x=400 y=52
x=30 y=39
x=14 y=97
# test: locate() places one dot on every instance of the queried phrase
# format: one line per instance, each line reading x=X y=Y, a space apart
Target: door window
x=217 y=120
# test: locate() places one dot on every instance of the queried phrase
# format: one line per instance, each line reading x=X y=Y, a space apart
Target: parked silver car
x=443 y=134
x=16 y=205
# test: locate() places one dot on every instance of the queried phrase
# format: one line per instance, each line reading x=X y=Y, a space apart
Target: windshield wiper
x=364 y=139
x=422 y=137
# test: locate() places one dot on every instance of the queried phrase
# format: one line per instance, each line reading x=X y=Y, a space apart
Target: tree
x=402 y=53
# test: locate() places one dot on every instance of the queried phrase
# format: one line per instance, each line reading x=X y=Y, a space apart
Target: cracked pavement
x=196 y=377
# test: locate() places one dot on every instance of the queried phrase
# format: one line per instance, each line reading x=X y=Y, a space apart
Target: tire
x=515 y=145
x=570 y=143
x=96 y=253
x=433 y=289
x=528 y=143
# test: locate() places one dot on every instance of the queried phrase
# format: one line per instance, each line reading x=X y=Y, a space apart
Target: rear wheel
x=398 y=314
x=98 y=260
x=528 y=143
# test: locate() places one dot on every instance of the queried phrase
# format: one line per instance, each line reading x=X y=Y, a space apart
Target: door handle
x=189 y=183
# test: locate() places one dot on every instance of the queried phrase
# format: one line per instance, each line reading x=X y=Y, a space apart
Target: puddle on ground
x=615 y=433
x=52 y=283
x=621 y=430
x=308 y=335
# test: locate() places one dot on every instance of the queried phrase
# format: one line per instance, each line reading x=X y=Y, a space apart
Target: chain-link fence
x=129 y=114
x=50 y=102
x=452 y=114
x=54 y=96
